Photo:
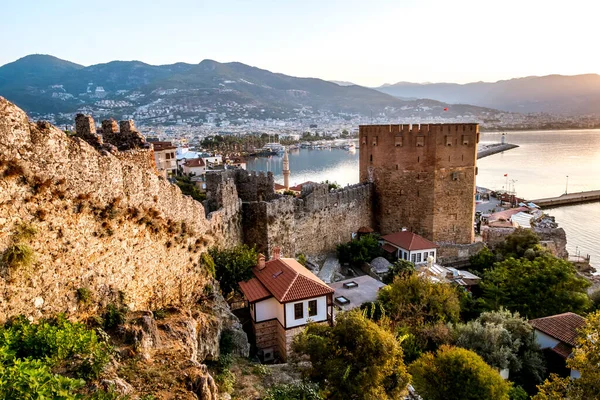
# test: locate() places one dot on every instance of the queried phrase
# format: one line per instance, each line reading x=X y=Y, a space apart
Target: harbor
x=568 y=199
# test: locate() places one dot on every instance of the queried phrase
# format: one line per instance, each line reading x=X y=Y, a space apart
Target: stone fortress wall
x=423 y=178
x=105 y=221
x=312 y=224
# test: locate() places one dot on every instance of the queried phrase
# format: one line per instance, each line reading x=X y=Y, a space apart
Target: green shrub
x=24 y=232
x=114 y=316
x=18 y=255
x=225 y=380
x=207 y=262
x=55 y=343
x=84 y=295
x=302 y=259
x=293 y=391
x=160 y=314
x=261 y=370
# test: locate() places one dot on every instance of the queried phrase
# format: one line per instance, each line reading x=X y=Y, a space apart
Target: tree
x=545 y=286
x=586 y=360
x=332 y=185
x=360 y=250
x=481 y=261
x=413 y=300
x=398 y=268
x=455 y=373
x=527 y=367
x=189 y=188
x=233 y=265
x=517 y=243
x=354 y=359
x=421 y=309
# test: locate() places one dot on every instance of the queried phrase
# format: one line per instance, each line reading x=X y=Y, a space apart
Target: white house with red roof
x=195 y=166
x=409 y=246
x=283 y=296
x=558 y=333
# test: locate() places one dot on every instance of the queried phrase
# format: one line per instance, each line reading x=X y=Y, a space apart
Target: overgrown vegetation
x=358 y=251
x=51 y=359
x=294 y=391
x=354 y=359
x=188 y=187
x=19 y=255
x=233 y=265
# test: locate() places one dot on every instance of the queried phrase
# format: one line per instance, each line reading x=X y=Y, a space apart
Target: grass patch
x=18 y=255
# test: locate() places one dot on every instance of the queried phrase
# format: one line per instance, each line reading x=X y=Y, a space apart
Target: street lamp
x=567 y=185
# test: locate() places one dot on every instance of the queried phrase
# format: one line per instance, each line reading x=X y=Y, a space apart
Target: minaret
x=286 y=170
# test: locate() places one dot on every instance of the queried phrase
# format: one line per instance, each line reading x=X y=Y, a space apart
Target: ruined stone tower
x=423 y=178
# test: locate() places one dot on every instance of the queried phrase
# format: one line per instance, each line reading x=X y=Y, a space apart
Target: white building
x=558 y=333
x=409 y=246
x=194 y=166
x=164 y=157
x=283 y=296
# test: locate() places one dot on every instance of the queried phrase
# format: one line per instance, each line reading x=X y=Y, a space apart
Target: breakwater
x=568 y=199
x=494 y=149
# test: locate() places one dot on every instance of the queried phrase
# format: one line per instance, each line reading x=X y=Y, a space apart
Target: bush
x=114 y=316
x=225 y=380
x=517 y=393
x=302 y=259
x=233 y=265
x=84 y=295
x=360 y=250
x=18 y=255
x=293 y=391
x=398 y=268
x=24 y=232
x=57 y=344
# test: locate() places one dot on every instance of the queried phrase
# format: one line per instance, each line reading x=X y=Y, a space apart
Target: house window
x=312 y=308
x=406 y=256
x=418 y=257
x=168 y=156
x=298 y=310
x=413 y=258
x=432 y=253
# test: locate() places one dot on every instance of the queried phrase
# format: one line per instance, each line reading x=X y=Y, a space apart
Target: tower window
x=371 y=158
x=418 y=159
x=420 y=141
x=448 y=140
x=398 y=141
x=396 y=167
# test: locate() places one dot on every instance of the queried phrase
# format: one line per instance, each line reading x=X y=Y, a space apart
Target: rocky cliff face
x=84 y=226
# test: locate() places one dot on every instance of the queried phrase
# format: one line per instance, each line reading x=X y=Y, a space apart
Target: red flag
x=505 y=174
x=446 y=109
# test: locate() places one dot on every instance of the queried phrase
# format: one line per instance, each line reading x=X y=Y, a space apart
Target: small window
x=448 y=140
x=312 y=308
x=420 y=141
x=398 y=141
x=375 y=141
x=371 y=158
x=432 y=253
x=413 y=258
x=298 y=311
x=465 y=140
x=364 y=140
x=168 y=156
x=418 y=257
x=406 y=256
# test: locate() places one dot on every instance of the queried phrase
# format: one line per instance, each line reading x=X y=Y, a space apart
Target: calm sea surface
x=538 y=168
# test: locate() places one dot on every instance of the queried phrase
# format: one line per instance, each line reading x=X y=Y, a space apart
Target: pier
x=494 y=149
x=568 y=199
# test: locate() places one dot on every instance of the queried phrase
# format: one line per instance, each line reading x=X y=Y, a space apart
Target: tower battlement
x=423 y=177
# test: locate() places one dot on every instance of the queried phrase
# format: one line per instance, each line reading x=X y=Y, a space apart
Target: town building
x=283 y=296
x=195 y=166
x=557 y=335
x=164 y=157
x=409 y=246
x=423 y=178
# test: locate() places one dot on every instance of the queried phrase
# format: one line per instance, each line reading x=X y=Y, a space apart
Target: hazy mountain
x=559 y=94
x=42 y=84
x=343 y=83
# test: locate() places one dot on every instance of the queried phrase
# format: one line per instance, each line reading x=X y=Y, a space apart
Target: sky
x=369 y=42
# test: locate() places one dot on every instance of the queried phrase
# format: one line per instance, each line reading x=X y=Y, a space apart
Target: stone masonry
x=423 y=178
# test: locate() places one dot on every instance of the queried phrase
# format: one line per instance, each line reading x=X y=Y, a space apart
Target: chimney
x=276 y=253
x=261 y=262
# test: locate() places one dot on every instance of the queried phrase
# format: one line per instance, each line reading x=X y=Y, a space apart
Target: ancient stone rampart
x=103 y=221
x=313 y=224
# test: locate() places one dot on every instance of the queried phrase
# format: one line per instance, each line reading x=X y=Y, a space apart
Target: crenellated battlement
x=422 y=129
x=124 y=136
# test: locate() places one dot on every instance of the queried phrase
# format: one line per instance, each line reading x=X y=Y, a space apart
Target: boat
x=349 y=146
x=272 y=149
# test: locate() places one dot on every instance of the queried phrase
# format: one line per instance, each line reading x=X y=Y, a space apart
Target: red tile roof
x=254 y=290
x=563 y=327
x=195 y=162
x=365 y=229
x=278 y=186
x=409 y=241
x=287 y=280
x=563 y=350
x=159 y=146
x=389 y=248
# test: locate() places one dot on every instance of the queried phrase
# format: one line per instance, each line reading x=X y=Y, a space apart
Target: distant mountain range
x=556 y=94
x=43 y=84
